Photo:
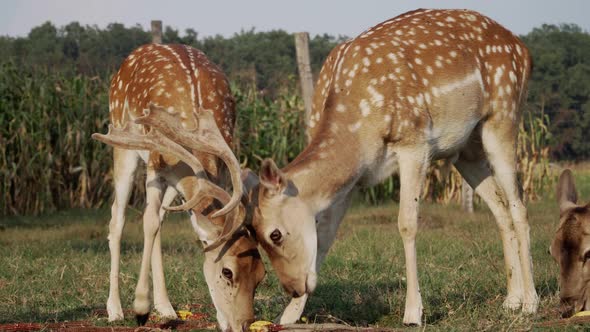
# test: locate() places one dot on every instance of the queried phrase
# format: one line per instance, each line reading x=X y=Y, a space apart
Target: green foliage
x=268 y=128
x=266 y=59
x=47 y=160
x=560 y=86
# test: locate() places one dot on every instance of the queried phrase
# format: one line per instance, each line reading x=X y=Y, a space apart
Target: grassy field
x=55 y=268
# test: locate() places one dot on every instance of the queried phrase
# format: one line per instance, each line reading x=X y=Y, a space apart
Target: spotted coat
x=401 y=73
x=179 y=78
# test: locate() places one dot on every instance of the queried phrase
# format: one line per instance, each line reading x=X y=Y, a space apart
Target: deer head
x=233 y=268
x=285 y=228
x=571 y=247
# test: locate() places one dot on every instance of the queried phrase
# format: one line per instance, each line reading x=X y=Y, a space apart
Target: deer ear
x=271 y=177
x=567 y=196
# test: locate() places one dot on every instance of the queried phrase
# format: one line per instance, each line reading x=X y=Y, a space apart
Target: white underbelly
x=448 y=138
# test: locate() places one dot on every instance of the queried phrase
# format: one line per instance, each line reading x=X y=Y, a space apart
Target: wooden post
x=156 y=31
x=466 y=197
x=303 y=64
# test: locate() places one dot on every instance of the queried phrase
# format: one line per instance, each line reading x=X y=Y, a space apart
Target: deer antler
x=156 y=141
x=206 y=138
x=123 y=138
x=205 y=189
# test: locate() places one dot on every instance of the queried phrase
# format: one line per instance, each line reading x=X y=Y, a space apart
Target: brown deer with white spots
x=426 y=85
x=571 y=247
x=172 y=108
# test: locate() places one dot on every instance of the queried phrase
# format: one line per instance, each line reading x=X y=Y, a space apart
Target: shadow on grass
x=356 y=303
x=79 y=313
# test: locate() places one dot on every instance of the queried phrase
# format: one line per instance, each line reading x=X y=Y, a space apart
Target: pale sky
x=226 y=17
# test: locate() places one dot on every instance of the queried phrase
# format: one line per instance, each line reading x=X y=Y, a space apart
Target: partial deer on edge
x=426 y=85
x=172 y=108
x=571 y=247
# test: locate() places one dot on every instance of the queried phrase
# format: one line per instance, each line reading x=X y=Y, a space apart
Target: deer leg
x=169 y=196
x=125 y=164
x=412 y=168
x=151 y=226
x=161 y=300
x=499 y=143
x=479 y=176
x=294 y=310
x=327 y=226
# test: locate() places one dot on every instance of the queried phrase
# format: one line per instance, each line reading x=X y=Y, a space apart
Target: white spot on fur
x=354 y=127
x=512 y=76
x=365 y=107
x=498 y=75
x=376 y=97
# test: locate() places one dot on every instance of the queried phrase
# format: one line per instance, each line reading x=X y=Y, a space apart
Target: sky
x=226 y=17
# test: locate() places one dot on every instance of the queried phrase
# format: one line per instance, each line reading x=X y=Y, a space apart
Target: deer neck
x=327 y=169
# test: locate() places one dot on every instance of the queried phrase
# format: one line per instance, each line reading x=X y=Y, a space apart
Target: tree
x=560 y=85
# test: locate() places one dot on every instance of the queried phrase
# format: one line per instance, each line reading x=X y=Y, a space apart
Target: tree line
x=559 y=88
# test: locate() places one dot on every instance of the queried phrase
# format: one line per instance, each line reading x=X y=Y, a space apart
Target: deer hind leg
x=412 y=168
x=327 y=227
x=125 y=164
x=499 y=141
x=479 y=176
x=161 y=301
x=151 y=227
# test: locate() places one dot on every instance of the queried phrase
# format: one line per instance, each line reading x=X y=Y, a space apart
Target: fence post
x=466 y=197
x=303 y=64
x=156 y=31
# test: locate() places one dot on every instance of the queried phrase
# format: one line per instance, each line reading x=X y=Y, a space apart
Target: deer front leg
x=294 y=310
x=151 y=227
x=161 y=301
x=412 y=174
x=327 y=227
x=125 y=163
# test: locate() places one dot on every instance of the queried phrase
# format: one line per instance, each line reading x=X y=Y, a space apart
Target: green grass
x=55 y=268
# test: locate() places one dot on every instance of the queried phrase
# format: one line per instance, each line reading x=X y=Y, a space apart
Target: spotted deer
x=426 y=85
x=571 y=247
x=172 y=108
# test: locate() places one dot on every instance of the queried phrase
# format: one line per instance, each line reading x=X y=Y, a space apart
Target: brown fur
x=571 y=247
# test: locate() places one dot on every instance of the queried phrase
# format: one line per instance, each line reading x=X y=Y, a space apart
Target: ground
x=55 y=268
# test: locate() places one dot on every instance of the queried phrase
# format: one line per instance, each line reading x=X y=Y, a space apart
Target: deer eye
x=586 y=256
x=276 y=236
x=227 y=273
